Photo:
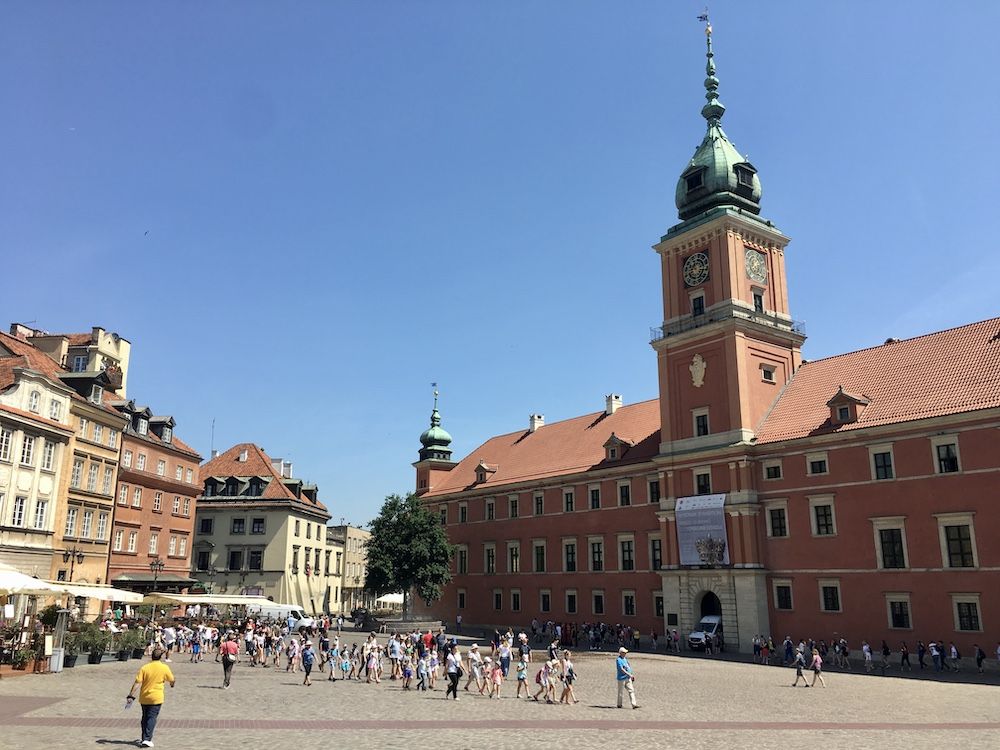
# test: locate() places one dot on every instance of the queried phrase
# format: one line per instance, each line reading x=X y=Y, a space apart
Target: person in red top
x=229 y=652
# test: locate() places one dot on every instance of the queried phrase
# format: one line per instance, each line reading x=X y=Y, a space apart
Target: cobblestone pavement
x=684 y=702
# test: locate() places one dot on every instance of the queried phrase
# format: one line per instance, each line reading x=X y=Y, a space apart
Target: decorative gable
x=845 y=407
x=615 y=447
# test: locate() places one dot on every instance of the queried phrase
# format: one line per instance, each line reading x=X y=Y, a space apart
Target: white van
x=282 y=612
x=709 y=627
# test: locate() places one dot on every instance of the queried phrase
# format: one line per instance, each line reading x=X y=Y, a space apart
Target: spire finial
x=435 y=387
x=714 y=110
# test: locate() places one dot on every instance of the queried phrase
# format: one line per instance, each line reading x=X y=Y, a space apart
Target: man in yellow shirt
x=149 y=680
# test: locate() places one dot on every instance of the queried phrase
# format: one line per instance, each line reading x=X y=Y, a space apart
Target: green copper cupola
x=435 y=440
x=717 y=174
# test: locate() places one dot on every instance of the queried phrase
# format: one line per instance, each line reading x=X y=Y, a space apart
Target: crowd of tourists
x=934 y=655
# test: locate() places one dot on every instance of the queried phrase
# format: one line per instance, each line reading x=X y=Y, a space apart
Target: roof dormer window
x=33 y=400
x=484 y=471
x=143 y=426
x=845 y=407
x=96 y=393
x=168 y=434
x=694 y=180
x=744 y=175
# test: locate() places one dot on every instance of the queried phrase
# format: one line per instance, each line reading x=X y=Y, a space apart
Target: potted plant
x=38 y=652
x=95 y=642
x=21 y=657
x=71 y=649
x=137 y=642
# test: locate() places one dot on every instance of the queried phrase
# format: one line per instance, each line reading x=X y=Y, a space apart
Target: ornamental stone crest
x=697 y=368
x=711 y=551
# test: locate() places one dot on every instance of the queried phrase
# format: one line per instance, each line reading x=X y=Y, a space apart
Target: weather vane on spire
x=435 y=387
x=704 y=19
x=714 y=109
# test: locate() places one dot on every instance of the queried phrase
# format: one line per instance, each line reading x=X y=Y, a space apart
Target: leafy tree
x=408 y=551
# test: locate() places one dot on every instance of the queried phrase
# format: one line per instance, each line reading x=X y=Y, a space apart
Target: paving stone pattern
x=685 y=703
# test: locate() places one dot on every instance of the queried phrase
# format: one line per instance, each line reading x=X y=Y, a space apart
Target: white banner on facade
x=701 y=530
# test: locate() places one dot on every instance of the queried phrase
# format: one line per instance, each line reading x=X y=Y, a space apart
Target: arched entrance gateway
x=710 y=604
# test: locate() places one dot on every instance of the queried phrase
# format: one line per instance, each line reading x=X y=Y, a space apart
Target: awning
x=390 y=599
x=164 y=597
x=104 y=593
x=143 y=577
x=15 y=582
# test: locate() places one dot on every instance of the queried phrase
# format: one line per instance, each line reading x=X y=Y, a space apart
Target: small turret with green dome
x=435 y=440
x=717 y=174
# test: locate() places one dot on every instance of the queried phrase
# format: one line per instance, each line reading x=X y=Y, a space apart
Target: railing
x=689 y=323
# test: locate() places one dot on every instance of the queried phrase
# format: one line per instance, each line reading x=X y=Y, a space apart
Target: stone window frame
x=590 y=555
x=623 y=484
x=537 y=544
x=459 y=549
x=948 y=439
x=769 y=464
x=498 y=599
x=889 y=522
x=463 y=512
x=590 y=496
x=604 y=602
x=487 y=546
x=461 y=599
x=881 y=448
x=541 y=594
x=619 y=539
x=817 y=500
x=635 y=603
x=695 y=473
x=967 y=598
x=701 y=411
x=892 y=597
x=961 y=518
x=649 y=543
x=768 y=367
x=776 y=504
x=513 y=544
x=568 y=499
x=565 y=542
x=826 y=583
x=515 y=600
x=817 y=456
x=651 y=481
x=775 y=583
x=566 y=596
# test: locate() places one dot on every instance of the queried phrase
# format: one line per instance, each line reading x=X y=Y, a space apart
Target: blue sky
x=346 y=201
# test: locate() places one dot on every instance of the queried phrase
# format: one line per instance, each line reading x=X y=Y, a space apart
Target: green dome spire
x=717 y=175
x=435 y=440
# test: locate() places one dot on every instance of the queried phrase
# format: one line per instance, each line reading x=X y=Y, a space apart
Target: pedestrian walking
x=453 y=668
x=308 y=658
x=904 y=658
x=229 y=652
x=817 y=668
x=625 y=677
x=149 y=681
x=799 y=663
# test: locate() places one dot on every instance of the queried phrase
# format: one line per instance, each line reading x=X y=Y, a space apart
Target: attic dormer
x=484 y=471
x=163 y=428
x=615 y=448
x=845 y=407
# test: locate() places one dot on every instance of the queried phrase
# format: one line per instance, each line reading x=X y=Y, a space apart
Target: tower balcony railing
x=691 y=322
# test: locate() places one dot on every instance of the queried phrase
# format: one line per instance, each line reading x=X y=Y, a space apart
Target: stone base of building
x=739 y=596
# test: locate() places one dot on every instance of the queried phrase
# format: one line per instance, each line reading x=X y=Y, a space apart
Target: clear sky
x=302 y=214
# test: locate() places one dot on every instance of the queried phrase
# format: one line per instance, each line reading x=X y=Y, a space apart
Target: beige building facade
x=259 y=530
x=355 y=567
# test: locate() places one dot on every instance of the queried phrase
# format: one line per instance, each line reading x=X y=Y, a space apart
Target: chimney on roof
x=215 y=453
x=535 y=421
x=612 y=403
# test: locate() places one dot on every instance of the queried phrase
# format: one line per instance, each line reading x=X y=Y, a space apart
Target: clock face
x=696 y=269
x=756 y=267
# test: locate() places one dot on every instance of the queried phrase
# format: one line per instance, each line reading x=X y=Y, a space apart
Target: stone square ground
x=685 y=703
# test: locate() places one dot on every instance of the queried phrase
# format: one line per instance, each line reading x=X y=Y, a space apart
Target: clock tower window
x=758 y=301
x=698 y=304
x=703 y=482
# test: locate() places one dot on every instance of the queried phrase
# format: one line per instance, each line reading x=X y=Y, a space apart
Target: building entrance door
x=710 y=604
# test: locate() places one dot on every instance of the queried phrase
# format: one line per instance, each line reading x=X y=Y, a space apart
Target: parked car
x=709 y=627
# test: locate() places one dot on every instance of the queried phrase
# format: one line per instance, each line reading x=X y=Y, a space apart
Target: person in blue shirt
x=308 y=657
x=626 y=678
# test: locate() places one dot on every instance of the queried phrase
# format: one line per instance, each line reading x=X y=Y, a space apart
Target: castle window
x=843 y=413
x=698 y=305
x=744 y=176
x=703 y=482
x=695 y=180
x=758 y=302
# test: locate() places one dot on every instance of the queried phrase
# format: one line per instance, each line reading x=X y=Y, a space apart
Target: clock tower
x=727 y=344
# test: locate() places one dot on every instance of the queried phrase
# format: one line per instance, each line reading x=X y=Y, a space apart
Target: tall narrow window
x=595 y=498
x=627 y=550
x=28 y=451
x=624 y=494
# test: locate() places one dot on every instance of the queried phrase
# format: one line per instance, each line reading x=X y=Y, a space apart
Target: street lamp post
x=210 y=574
x=156 y=566
x=74 y=557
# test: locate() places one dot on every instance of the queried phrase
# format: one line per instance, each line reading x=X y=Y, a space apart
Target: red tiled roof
x=78 y=339
x=258 y=464
x=948 y=372
x=566 y=447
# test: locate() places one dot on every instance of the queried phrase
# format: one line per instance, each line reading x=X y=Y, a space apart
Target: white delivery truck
x=709 y=627
x=282 y=613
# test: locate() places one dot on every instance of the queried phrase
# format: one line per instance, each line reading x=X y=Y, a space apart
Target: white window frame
x=112 y=438
x=186 y=510
x=127 y=459
x=108 y=481
x=627 y=538
x=161 y=467
x=951 y=438
x=123 y=495
x=71 y=516
x=154 y=541
x=172 y=546
x=618 y=492
x=55 y=410
x=175 y=509
x=700 y=412
x=48 y=455
x=513 y=545
x=695 y=473
x=892 y=597
x=6 y=440
x=776 y=504
x=967 y=598
x=827 y=582
x=157 y=501
x=957 y=519
x=34 y=399
x=565 y=543
x=119 y=540
x=137 y=497
x=770 y=464
x=28 y=451
x=889 y=522
x=881 y=448
x=102 y=526
x=133 y=538
x=775 y=583
x=80 y=362
x=98 y=432
x=818 y=456
x=87 y=524
x=635 y=603
x=141 y=462
x=41 y=514
x=92 y=477
x=188 y=476
x=535 y=544
x=814 y=501
x=766 y=367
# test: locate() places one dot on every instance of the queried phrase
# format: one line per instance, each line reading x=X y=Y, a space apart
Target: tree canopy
x=408 y=551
